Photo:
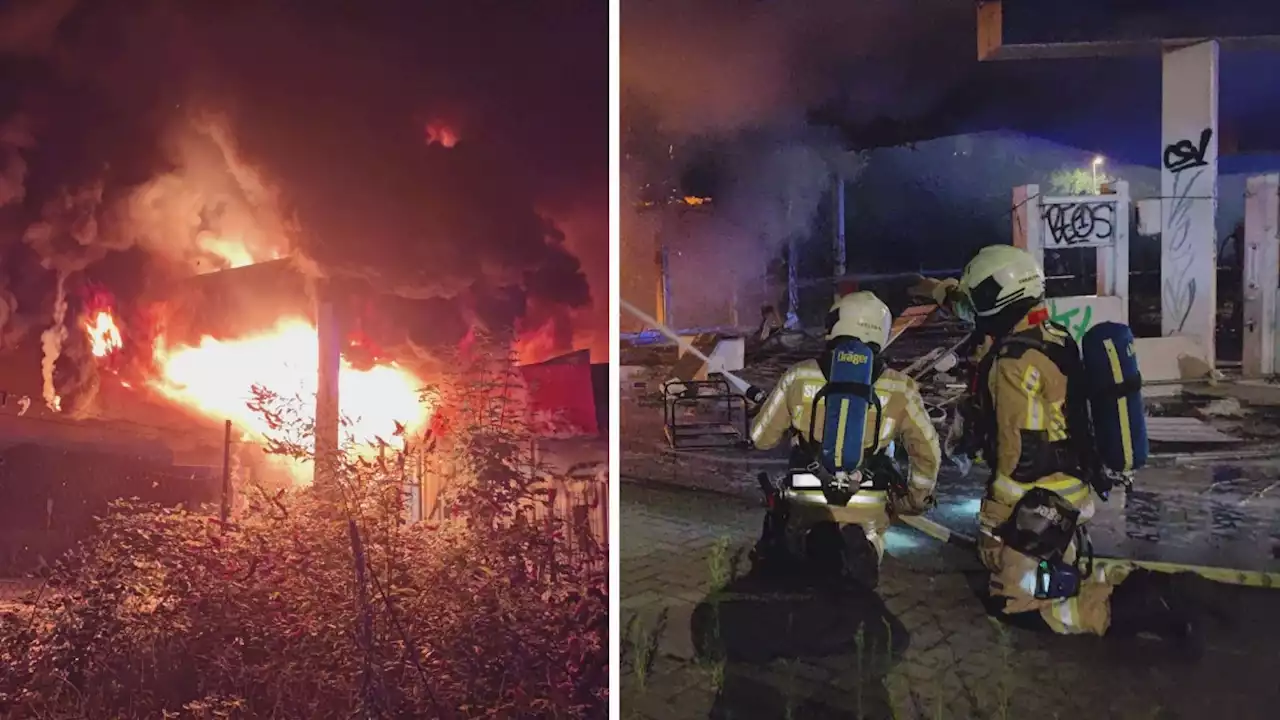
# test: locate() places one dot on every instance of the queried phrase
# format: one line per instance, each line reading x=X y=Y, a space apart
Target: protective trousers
x=1013 y=581
x=845 y=541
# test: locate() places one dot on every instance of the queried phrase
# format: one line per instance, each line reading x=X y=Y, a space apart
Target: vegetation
x=320 y=602
x=1077 y=181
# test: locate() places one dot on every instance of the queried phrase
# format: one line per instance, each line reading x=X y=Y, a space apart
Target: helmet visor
x=962 y=307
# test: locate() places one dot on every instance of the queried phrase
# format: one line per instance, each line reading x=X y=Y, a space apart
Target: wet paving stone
x=959 y=663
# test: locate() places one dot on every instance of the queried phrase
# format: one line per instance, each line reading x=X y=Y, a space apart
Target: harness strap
x=1066 y=358
x=1115 y=391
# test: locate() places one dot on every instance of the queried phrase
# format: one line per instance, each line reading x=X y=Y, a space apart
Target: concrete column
x=1261 y=263
x=328 y=426
x=1189 y=193
x=1113 y=261
x=838 y=237
x=1027 y=227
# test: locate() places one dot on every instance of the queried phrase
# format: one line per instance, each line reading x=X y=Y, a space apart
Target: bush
x=318 y=602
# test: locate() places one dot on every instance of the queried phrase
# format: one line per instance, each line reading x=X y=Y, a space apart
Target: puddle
x=1222 y=515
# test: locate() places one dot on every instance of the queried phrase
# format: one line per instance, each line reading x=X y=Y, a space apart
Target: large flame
x=104 y=336
x=216 y=378
x=234 y=252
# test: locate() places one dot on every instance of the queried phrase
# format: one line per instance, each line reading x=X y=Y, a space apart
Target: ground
x=685 y=515
x=959 y=664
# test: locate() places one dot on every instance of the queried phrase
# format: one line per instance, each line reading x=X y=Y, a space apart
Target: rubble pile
x=1227 y=414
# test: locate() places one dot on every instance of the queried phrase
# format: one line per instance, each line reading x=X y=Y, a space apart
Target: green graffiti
x=1076 y=320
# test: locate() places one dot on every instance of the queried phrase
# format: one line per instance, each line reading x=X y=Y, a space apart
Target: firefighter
x=1039 y=448
x=790 y=410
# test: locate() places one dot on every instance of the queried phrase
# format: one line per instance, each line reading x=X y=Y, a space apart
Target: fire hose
x=944 y=534
x=1247 y=578
x=774 y=501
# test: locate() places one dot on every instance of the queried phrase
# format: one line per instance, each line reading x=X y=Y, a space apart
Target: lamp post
x=1097 y=162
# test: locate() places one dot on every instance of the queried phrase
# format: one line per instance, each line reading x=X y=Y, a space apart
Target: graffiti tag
x=1079 y=224
x=1076 y=320
x=1179 y=291
x=1184 y=154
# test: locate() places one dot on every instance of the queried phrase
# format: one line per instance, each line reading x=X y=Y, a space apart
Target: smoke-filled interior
x=177 y=179
x=732 y=104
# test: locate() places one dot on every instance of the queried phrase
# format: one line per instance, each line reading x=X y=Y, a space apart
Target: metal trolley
x=704 y=414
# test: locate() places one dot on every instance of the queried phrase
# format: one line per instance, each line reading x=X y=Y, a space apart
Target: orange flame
x=234 y=252
x=441 y=134
x=104 y=336
x=216 y=378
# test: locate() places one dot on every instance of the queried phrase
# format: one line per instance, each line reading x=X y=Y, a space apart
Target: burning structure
x=174 y=229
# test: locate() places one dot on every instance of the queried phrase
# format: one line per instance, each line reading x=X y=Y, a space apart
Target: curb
x=752 y=499
x=1229 y=576
x=1154 y=460
x=943 y=534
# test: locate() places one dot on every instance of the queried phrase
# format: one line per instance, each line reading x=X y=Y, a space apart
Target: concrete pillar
x=1189 y=193
x=328 y=426
x=1261 y=263
x=1113 y=262
x=838 y=237
x=1027 y=226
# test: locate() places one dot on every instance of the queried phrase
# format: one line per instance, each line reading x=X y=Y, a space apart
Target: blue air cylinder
x=847 y=399
x=1115 y=396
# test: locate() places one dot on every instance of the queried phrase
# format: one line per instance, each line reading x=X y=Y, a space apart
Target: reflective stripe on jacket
x=791 y=404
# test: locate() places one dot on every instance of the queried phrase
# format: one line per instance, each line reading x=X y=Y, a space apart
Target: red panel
x=561 y=398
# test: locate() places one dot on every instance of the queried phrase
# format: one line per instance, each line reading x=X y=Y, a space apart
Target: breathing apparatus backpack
x=839 y=460
x=1115 y=397
x=1105 y=412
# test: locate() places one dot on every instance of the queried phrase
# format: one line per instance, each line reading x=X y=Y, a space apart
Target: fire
x=230 y=251
x=216 y=378
x=104 y=336
x=438 y=133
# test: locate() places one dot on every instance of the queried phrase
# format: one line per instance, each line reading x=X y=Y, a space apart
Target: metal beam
x=993 y=45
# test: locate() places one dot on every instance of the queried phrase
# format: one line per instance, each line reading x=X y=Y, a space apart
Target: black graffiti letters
x=1184 y=155
x=1179 y=293
x=1073 y=224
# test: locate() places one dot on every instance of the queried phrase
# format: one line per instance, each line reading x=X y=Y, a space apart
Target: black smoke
x=152 y=125
x=766 y=94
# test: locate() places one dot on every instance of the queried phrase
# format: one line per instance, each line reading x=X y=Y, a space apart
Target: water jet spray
x=751 y=392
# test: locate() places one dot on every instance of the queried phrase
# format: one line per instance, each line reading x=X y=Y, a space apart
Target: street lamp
x=1097 y=162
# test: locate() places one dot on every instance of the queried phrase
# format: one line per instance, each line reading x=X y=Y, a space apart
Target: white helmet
x=996 y=278
x=860 y=315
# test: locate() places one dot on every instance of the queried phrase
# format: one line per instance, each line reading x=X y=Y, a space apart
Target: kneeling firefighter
x=1028 y=416
x=842 y=410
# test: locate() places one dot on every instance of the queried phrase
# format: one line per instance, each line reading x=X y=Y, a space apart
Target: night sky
x=330 y=108
x=888 y=72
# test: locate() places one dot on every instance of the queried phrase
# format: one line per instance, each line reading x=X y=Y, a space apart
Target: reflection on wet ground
x=1222 y=515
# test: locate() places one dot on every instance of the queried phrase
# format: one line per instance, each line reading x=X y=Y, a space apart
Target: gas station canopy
x=1087 y=73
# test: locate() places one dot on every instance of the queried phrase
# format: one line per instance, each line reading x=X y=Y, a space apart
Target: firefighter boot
x=771 y=556
x=861 y=561
x=1147 y=602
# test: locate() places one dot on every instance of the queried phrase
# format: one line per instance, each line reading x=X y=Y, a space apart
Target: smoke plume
x=731 y=86
x=436 y=151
